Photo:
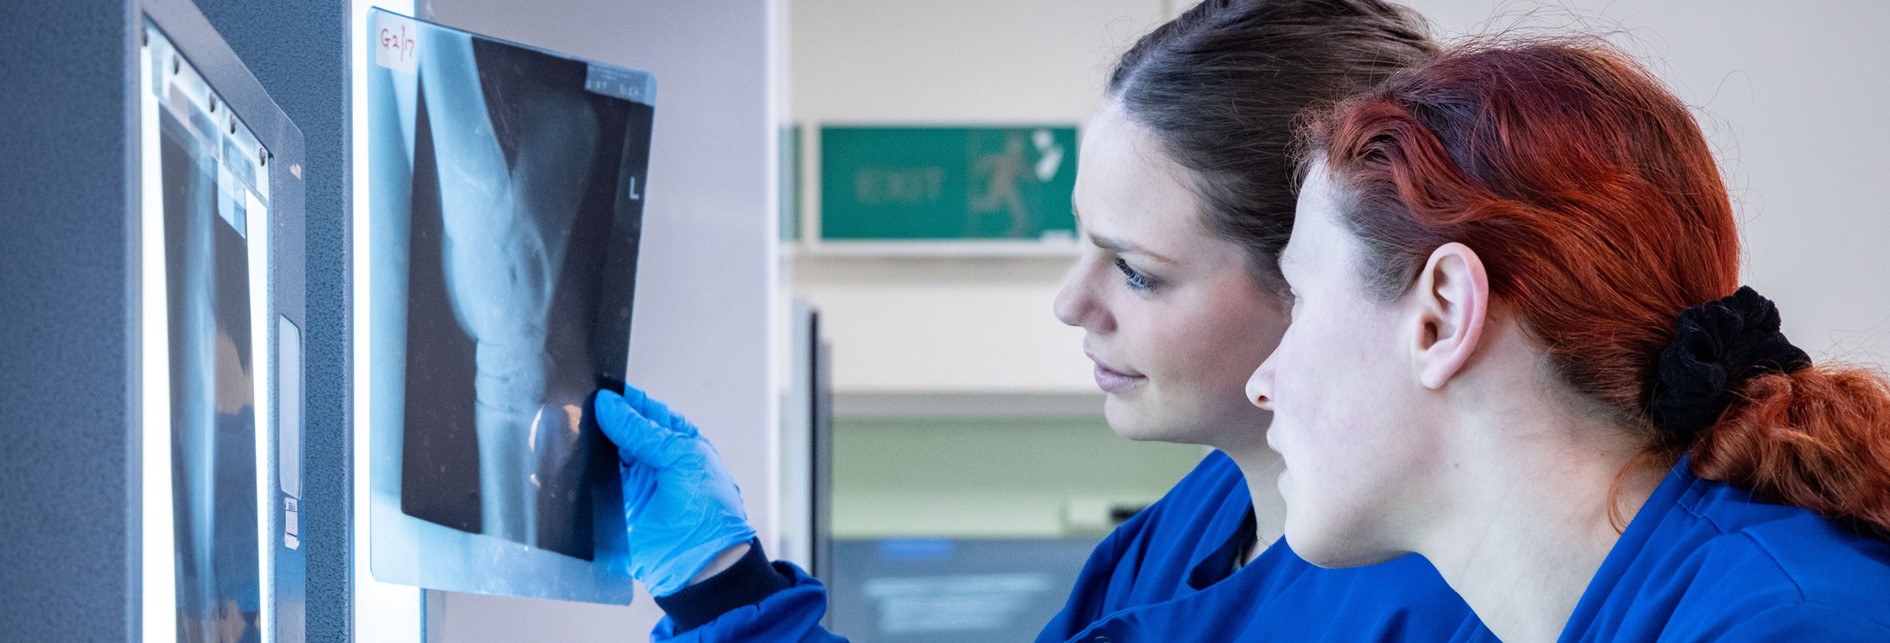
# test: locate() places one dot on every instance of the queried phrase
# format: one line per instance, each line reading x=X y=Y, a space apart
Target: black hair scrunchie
x=1716 y=346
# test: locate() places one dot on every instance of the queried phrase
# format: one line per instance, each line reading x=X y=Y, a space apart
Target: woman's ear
x=1449 y=303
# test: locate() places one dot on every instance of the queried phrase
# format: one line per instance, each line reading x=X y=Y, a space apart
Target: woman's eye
x=1136 y=280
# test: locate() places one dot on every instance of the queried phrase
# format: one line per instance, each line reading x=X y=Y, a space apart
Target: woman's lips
x=1114 y=381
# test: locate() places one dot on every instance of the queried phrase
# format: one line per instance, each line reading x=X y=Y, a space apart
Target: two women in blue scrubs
x=1519 y=348
x=1185 y=192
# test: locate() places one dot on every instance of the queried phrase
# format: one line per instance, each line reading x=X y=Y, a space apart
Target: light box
x=220 y=261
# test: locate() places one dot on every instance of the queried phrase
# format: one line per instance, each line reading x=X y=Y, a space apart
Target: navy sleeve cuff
x=746 y=583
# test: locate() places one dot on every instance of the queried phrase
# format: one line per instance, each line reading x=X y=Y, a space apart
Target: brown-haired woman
x=1185 y=187
x=1522 y=259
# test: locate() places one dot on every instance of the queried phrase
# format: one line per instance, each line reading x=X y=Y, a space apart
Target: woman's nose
x=1260 y=385
x=1075 y=305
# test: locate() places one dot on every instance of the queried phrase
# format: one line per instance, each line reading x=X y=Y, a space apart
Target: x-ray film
x=217 y=568
x=506 y=191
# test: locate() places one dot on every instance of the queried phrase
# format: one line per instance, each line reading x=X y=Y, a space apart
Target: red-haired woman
x=1519 y=348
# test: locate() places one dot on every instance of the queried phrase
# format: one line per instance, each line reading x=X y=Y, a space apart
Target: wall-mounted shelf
x=967 y=405
x=1062 y=249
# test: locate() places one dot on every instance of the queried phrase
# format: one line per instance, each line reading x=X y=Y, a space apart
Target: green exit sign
x=946 y=183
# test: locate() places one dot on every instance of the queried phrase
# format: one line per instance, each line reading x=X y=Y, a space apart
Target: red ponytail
x=1818 y=438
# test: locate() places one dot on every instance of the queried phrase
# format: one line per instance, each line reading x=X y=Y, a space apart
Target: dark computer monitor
x=942 y=590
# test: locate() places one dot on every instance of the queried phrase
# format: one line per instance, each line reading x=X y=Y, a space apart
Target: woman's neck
x=1261 y=469
x=1529 y=520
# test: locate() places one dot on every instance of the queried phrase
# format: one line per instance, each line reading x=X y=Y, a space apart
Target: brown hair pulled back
x=1222 y=87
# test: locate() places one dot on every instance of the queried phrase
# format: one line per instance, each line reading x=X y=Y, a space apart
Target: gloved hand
x=681 y=506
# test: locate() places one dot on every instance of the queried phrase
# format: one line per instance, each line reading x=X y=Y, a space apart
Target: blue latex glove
x=681 y=506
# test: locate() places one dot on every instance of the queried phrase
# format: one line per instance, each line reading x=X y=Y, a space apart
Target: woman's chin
x=1331 y=548
x=1133 y=421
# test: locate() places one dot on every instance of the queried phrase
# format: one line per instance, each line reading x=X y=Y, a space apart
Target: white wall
x=959 y=61
x=1792 y=94
x=707 y=288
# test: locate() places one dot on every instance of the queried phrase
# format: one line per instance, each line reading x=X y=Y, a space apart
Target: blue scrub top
x=1703 y=561
x=1165 y=576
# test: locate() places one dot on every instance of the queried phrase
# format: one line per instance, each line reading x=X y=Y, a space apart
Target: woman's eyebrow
x=1123 y=246
x=1114 y=244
